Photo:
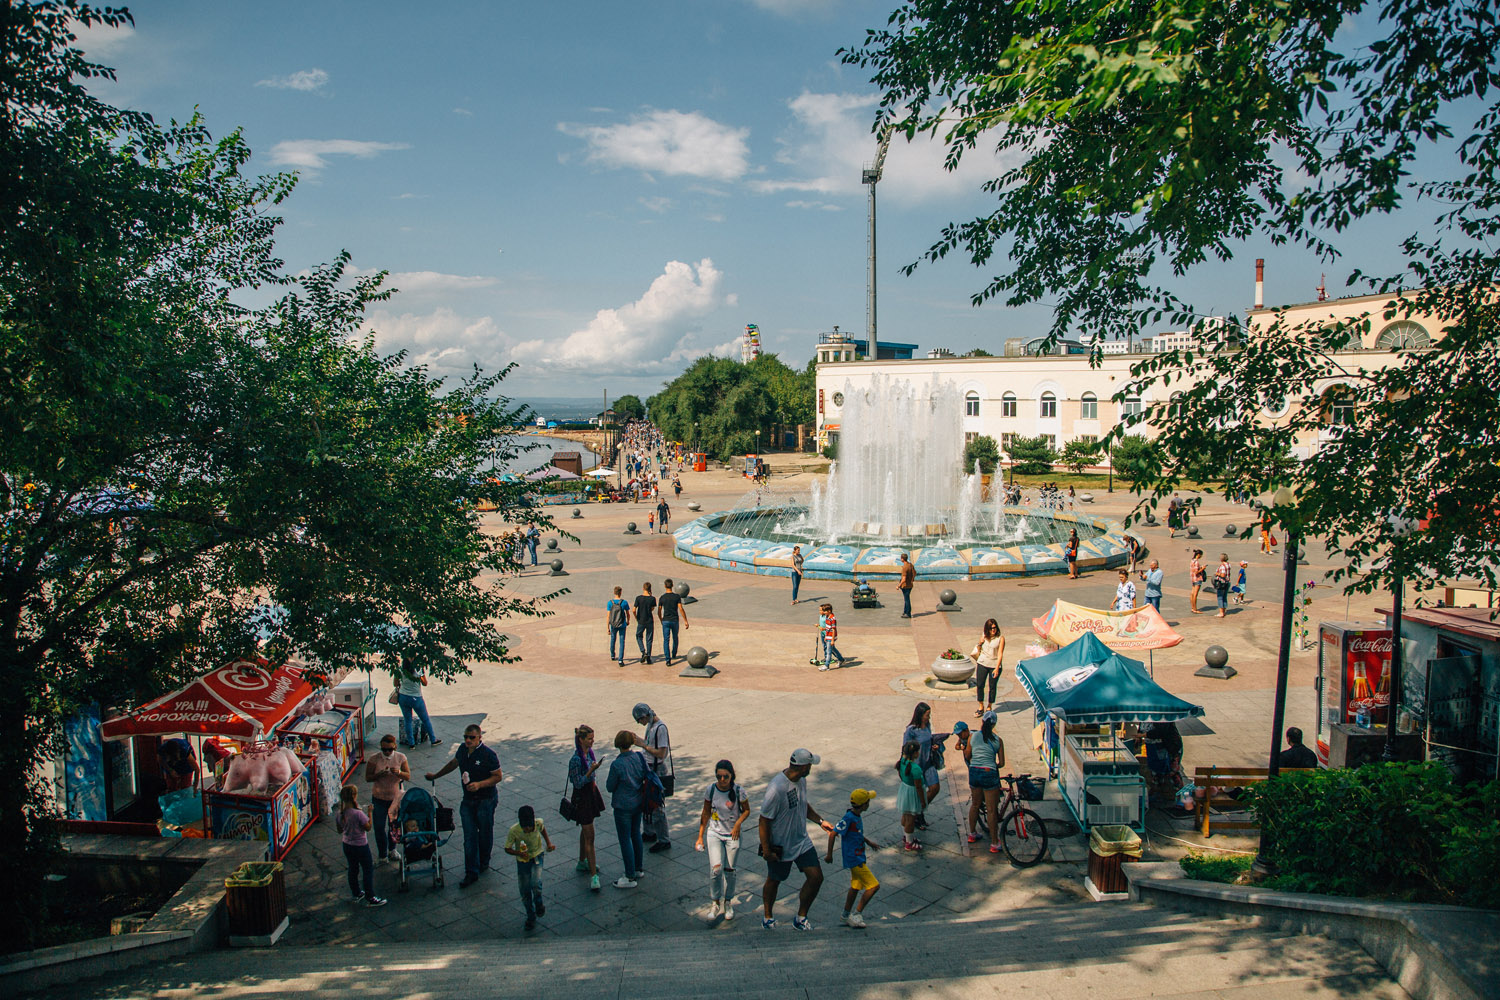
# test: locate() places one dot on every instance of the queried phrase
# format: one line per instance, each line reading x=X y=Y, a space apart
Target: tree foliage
x=983 y=450
x=629 y=407
x=1079 y=454
x=1148 y=139
x=170 y=462
x=718 y=404
x=1136 y=460
x=1031 y=456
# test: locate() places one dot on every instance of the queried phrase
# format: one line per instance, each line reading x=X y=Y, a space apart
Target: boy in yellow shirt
x=529 y=843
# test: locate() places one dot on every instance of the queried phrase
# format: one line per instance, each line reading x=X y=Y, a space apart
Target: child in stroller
x=419 y=834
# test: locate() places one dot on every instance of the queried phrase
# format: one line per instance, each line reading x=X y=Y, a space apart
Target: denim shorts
x=983 y=777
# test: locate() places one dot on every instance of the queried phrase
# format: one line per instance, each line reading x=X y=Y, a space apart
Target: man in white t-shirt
x=784 y=842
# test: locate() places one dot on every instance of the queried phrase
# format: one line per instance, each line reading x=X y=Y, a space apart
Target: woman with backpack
x=985 y=754
x=725 y=807
x=1221 y=584
x=919 y=731
x=627 y=776
x=588 y=804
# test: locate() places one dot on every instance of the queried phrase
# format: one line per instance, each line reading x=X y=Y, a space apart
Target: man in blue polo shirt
x=479 y=773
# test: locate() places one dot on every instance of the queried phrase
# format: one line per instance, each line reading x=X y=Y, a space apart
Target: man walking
x=645 y=623
x=616 y=619
x=668 y=610
x=1153 y=578
x=663 y=513
x=796 y=571
x=908 y=580
x=657 y=745
x=533 y=536
x=784 y=841
x=479 y=773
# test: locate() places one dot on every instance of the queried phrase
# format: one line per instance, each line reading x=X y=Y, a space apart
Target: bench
x=1220 y=778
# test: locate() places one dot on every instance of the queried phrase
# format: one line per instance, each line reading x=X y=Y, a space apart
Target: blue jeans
x=669 y=637
x=906 y=602
x=1155 y=602
x=360 y=863
x=796 y=582
x=617 y=633
x=478 y=816
x=831 y=652
x=410 y=703
x=632 y=847
x=644 y=634
x=381 y=816
x=529 y=880
x=531 y=547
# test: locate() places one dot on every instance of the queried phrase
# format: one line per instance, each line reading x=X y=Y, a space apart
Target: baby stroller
x=421 y=824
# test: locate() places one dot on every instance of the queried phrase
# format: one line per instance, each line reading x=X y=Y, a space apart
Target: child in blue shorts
x=852 y=829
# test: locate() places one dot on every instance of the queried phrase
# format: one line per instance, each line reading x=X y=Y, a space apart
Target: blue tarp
x=1089 y=684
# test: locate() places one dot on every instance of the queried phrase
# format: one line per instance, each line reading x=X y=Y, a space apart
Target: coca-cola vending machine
x=1354 y=677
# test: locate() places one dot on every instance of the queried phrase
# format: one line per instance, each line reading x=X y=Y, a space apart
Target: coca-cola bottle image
x=1359 y=692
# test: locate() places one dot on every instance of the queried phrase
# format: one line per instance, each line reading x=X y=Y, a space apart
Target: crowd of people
x=648 y=467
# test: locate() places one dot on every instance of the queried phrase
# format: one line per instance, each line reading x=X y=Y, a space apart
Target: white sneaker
x=823 y=668
x=728 y=909
x=715 y=909
x=624 y=883
x=856 y=920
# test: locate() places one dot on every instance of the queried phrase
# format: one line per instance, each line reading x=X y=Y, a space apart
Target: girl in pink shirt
x=354 y=825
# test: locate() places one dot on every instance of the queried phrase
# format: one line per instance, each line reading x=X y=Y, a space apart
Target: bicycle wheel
x=1025 y=837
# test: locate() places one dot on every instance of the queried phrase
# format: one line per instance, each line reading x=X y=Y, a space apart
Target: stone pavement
x=767 y=701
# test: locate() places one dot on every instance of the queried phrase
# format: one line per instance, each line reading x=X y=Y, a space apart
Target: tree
x=1136 y=460
x=628 y=408
x=1031 y=456
x=1144 y=139
x=1079 y=454
x=977 y=352
x=984 y=451
x=728 y=401
x=169 y=461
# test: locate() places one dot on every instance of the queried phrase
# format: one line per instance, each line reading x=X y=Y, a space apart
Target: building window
x=971 y=404
x=1338 y=407
x=1049 y=406
x=1051 y=441
x=1402 y=335
x=969 y=436
x=1088 y=439
x=1132 y=406
x=1089 y=409
x=1008 y=405
x=1005 y=442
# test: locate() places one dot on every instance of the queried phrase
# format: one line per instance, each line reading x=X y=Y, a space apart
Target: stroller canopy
x=1089 y=684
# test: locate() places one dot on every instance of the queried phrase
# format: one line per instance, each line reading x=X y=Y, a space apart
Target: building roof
x=1473 y=622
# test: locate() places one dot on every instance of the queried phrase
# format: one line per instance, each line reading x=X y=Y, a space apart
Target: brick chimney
x=1260 y=282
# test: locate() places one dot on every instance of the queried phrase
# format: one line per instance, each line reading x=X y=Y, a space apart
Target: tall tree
x=169 y=461
x=1149 y=138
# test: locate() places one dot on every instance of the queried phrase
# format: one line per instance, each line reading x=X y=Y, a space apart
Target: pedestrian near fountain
x=908 y=580
x=784 y=842
x=588 y=803
x=1241 y=588
x=533 y=537
x=796 y=572
x=1153 y=578
x=616 y=620
x=985 y=755
x=650 y=522
x=910 y=799
x=1174 y=514
x=1125 y=593
x=1072 y=554
x=669 y=611
x=1133 y=549
x=1221 y=584
x=919 y=730
x=656 y=744
x=830 y=626
x=725 y=807
x=861 y=880
x=987 y=658
x=1196 y=576
x=645 y=623
x=1266 y=540
x=663 y=514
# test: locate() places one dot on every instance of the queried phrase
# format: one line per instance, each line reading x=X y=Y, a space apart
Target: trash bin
x=1109 y=846
x=255 y=899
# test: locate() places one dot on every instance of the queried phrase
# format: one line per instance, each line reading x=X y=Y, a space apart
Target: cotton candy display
x=316 y=703
x=260 y=772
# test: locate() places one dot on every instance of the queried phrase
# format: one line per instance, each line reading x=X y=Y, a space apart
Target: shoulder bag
x=565 y=806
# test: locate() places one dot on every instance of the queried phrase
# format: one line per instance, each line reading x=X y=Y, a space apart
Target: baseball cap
x=1244 y=563
x=860 y=796
x=641 y=712
x=802 y=756
x=960 y=727
x=990 y=717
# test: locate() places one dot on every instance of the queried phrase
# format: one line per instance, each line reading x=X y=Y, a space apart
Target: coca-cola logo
x=1370 y=645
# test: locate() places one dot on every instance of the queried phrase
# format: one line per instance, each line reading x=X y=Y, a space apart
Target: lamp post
x=1400 y=528
x=1110 y=465
x=1285 y=502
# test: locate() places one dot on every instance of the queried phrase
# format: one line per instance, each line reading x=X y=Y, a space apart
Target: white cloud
x=668 y=142
x=820 y=206
x=830 y=142
x=447 y=343
x=303 y=79
x=308 y=154
x=649 y=333
x=793 y=7
x=463 y=111
x=98 y=40
x=657 y=204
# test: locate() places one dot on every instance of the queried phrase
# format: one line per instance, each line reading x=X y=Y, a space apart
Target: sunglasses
x=471 y=737
x=723 y=777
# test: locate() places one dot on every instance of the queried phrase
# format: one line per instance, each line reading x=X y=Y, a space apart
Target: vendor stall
x=277 y=811
x=1080 y=692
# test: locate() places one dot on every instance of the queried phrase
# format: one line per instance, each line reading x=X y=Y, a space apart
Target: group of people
x=646 y=466
x=648 y=611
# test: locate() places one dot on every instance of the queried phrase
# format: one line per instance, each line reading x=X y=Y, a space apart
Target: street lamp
x=1400 y=528
x=1284 y=502
x=1108 y=464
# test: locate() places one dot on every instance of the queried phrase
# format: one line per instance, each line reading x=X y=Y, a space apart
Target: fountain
x=898 y=486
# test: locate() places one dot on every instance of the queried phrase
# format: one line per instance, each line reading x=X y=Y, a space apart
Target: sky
x=601 y=192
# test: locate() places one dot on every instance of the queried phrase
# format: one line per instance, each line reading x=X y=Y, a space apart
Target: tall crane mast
x=871 y=176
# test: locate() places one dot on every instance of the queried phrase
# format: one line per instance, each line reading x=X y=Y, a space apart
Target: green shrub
x=1394 y=830
x=1215 y=867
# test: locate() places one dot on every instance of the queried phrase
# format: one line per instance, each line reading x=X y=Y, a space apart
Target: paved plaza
x=765 y=702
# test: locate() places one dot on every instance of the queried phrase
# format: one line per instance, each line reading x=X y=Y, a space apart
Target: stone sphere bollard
x=1192 y=531
x=557 y=568
x=1216 y=656
x=947 y=597
x=1216 y=664
x=1150 y=517
x=697 y=657
x=551 y=545
x=1230 y=531
x=682 y=589
x=577 y=512
x=630 y=529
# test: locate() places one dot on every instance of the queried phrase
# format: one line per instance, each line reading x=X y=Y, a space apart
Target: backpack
x=653 y=793
x=617 y=613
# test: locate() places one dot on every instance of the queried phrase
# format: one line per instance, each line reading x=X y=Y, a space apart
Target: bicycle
x=1023 y=834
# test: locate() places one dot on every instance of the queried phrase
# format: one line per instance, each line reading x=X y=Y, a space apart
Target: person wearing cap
x=861 y=879
x=784 y=842
x=657 y=745
x=985 y=754
x=1242 y=585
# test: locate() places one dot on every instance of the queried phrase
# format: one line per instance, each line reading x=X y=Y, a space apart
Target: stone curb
x=1402 y=937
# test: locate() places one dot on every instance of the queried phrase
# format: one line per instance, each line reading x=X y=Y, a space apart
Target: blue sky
x=600 y=192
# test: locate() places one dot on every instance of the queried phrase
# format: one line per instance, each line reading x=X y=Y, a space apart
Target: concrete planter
x=953 y=671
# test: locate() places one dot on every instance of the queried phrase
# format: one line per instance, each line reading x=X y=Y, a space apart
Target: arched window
x=971 y=403
x=1403 y=335
x=1132 y=406
x=1049 y=406
x=1008 y=405
x=1338 y=407
x=1089 y=407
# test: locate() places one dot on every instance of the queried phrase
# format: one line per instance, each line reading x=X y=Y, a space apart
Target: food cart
x=1080 y=692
